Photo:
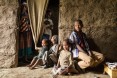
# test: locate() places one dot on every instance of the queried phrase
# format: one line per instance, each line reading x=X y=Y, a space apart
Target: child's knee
x=90 y=61
x=35 y=57
x=102 y=57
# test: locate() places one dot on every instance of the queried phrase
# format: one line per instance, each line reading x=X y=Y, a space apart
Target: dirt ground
x=25 y=72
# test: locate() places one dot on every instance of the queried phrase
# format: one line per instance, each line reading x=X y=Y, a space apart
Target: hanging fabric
x=37 y=9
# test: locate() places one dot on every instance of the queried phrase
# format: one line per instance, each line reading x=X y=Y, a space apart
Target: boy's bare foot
x=29 y=65
x=54 y=76
x=31 y=68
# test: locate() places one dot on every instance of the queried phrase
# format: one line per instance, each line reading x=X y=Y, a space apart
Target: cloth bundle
x=112 y=65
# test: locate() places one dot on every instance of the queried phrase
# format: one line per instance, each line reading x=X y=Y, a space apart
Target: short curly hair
x=55 y=37
x=67 y=41
x=80 y=22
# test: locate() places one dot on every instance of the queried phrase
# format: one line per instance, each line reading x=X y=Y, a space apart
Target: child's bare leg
x=34 y=64
x=73 y=70
x=63 y=72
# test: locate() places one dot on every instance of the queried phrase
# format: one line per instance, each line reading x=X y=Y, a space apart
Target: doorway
x=26 y=44
x=53 y=6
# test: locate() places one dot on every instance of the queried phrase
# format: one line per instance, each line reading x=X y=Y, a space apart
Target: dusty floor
x=25 y=72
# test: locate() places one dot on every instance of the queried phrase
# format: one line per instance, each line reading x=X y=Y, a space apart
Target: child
x=48 y=25
x=54 y=49
x=37 y=58
x=51 y=57
x=65 y=61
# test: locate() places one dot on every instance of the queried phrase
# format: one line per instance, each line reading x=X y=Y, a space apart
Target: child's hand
x=37 y=48
x=56 y=67
x=67 y=69
x=60 y=47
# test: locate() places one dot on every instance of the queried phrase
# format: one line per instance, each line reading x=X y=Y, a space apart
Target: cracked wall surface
x=100 y=23
x=8 y=17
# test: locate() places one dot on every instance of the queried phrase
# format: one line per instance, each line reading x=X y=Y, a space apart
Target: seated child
x=51 y=57
x=37 y=58
x=65 y=61
x=54 y=49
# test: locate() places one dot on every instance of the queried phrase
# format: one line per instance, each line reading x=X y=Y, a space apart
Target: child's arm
x=70 y=60
x=38 y=48
x=58 y=64
x=58 y=49
x=79 y=48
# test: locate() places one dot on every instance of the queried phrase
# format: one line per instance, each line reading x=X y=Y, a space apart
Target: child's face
x=44 y=43
x=52 y=40
x=77 y=26
x=65 y=46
